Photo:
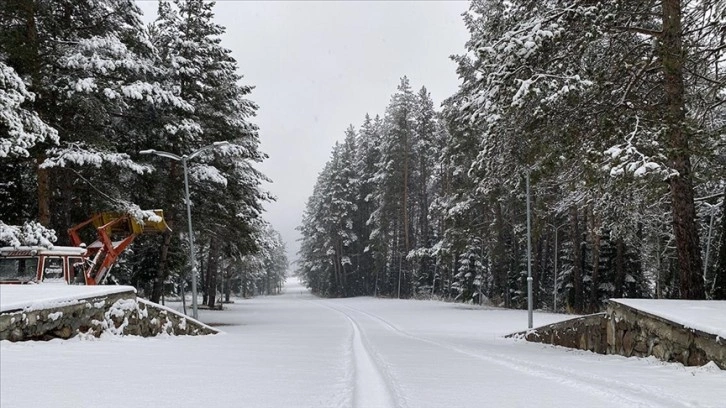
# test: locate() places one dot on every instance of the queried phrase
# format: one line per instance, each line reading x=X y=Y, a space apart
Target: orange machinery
x=78 y=264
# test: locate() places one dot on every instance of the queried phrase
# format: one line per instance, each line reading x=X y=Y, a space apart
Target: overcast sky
x=320 y=66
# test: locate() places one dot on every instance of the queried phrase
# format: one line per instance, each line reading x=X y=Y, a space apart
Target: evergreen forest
x=613 y=112
x=604 y=123
x=84 y=87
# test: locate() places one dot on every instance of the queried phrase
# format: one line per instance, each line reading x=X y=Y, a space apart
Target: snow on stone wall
x=113 y=314
x=631 y=332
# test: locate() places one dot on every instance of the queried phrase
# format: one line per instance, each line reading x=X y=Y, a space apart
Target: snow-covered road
x=296 y=350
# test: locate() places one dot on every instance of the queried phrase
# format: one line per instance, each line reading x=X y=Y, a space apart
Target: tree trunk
x=424 y=241
x=228 y=284
x=268 y=281
x=43 y=192
x=594 y=305
x=538 y=268
x=619 y=268
x=343 y=277
x=684 y=214
x=402 y=264
x=157 y=288
x=718 y=288
x=31 y=64
x=212 y=270
x=171 y=217
x=500 y=264
x=406 y=224
x=336 y=274
x=203 y=274
x=577 y=260
x=243 y=286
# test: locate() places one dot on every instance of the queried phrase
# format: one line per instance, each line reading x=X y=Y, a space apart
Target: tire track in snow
x=592 y=383
x=371 y=384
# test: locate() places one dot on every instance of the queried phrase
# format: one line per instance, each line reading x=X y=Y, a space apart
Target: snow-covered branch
x=21 y=129
x=30 y=233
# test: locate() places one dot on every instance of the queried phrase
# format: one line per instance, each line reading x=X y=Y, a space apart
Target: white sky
x=319 y=66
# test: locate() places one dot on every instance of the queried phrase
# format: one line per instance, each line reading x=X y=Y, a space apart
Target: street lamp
x=184 y=160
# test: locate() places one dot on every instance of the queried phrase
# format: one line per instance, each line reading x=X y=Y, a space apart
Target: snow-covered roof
x=46 y=295
x=708 y=316
x=39 y=250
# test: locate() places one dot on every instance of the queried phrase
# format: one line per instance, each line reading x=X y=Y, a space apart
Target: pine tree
x=578 y=109
x=393 y=218
x=88 y=63
x=316 y=262
x=224 y=185
x=367 y=156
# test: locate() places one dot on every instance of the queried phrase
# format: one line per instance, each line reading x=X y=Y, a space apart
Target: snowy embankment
x=296 y=350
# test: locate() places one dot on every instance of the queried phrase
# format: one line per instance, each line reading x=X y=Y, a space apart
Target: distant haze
x=320 y=66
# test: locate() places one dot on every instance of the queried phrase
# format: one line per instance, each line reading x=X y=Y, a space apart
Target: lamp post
x=184 y=160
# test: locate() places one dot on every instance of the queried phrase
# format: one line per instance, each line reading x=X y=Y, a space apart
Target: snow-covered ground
x=296 y=350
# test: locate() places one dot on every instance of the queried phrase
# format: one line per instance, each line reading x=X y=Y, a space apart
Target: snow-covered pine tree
x=393 y=218
x=225 y=188
x=342 y=193
x=538 y=109
x=346 y=187
x=20 y=128
x=316 y=263
x=87 y=64
x=437 y=192
x=423 y=161
x=367 y=156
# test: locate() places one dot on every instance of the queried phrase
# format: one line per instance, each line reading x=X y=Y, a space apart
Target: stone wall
x=584 y=333
x=117 y=314
x=630 y=332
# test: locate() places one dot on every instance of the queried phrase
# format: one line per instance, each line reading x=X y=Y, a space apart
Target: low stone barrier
x=632 y=332
x=119 y=314
x=584 y=333
x=627 y=331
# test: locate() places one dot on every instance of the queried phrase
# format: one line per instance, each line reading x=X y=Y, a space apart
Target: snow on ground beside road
x=295 y=350
x=705 y=315
x=33 y=297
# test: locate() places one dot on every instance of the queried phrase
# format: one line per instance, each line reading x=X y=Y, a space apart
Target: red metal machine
x=77 y=264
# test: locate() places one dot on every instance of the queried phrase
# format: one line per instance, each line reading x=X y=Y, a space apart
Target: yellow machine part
x=159 y=226
x=130 y=225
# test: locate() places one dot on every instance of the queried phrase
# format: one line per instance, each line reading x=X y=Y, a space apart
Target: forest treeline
x=616 y=110
x=85 y=86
